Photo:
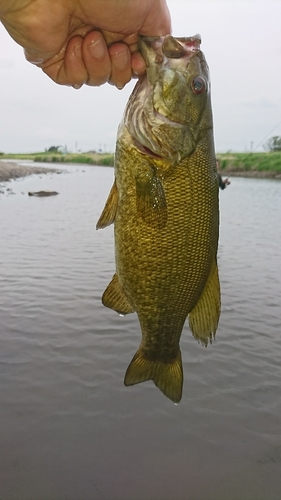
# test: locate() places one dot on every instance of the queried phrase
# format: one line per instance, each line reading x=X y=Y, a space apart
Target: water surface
x=69 y=429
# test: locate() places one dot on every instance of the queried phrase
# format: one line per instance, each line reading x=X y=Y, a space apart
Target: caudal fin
x=168 y=377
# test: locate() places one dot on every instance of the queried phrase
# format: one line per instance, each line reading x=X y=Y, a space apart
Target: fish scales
x=164 y=205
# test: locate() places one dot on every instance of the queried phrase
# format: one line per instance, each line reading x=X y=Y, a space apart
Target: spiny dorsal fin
x=108 y=214
x=115 y=298
x=204 y=317
x=168 y=377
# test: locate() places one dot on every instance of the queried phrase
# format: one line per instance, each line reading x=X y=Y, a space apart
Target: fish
x=165 y=209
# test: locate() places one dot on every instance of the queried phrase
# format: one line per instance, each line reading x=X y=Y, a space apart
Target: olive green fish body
x=164 y=204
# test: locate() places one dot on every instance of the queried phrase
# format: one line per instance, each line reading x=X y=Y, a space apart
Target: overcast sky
x=241 y=40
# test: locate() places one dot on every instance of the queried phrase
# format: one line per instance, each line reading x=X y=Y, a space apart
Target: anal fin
x=115 y=298
x=108 y=214
x=168 y=377
x=204 y=317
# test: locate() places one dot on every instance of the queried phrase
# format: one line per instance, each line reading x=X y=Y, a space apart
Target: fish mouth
x=151 y=120
x=176 y=48
x=169 y=46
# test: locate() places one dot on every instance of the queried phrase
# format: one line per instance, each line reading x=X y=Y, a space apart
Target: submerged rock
x=42 y=193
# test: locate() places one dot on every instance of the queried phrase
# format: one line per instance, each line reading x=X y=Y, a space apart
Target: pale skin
x=91 y=42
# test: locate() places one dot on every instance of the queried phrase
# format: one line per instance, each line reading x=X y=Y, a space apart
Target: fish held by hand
x=164 y=206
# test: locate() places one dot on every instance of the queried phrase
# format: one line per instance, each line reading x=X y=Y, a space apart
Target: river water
x=69 y=429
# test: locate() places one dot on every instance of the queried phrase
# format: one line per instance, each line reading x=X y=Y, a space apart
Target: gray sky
x=242 y=44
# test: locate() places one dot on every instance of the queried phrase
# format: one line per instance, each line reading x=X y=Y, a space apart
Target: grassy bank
x=251 y=164
x=235 y=164
x=105 y=159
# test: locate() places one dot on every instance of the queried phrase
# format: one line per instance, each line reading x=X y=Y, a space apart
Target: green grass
x=267 y=164
x=106 y=159
x=250 y=162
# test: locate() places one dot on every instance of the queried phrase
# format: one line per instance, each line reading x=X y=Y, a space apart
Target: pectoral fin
x=108 y=214
x=168 y=377
x=151 y=200
x=115 y=298
x=204 y=317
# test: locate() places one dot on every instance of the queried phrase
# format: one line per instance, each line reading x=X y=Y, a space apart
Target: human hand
x=88 y=41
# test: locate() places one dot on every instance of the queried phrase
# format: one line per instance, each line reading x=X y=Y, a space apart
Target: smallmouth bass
x=164 y=205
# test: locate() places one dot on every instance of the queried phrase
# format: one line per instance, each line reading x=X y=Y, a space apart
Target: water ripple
x=70 y=429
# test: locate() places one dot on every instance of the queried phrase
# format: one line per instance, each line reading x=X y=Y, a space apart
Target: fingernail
x=97 y=49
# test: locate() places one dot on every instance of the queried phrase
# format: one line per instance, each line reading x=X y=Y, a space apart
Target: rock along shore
x=9 y=171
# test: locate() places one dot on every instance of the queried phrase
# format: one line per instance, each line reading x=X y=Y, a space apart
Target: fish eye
x=199 y=85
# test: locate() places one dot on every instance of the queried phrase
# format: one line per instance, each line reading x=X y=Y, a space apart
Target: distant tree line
x=54 y=149
x=273 y=144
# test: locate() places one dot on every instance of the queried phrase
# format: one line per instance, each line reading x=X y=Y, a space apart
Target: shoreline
x=10 y=171
x=251 y=174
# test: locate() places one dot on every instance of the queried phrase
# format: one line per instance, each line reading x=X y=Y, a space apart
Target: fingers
x=89 y=60
x=96 y=59
x=121 y=69
x=138 y=64
x=67 y=67
x=73 y=71
x=106 y=64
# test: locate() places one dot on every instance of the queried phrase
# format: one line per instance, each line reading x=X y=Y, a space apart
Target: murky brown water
x=69 y=429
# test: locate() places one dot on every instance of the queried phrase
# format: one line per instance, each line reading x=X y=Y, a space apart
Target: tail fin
x=168 y=377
